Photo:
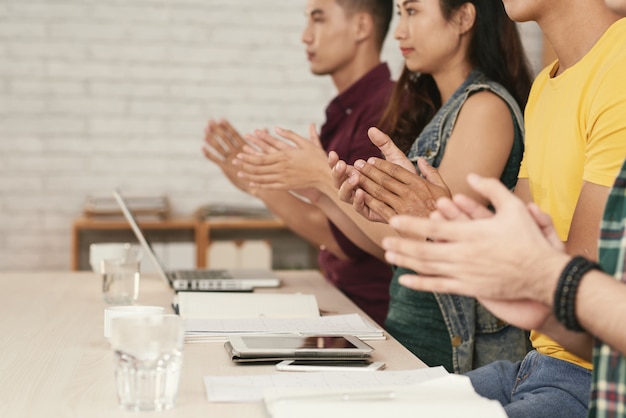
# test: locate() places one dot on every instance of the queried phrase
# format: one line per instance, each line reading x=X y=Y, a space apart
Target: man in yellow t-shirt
x=575 y=146
x=573 y=153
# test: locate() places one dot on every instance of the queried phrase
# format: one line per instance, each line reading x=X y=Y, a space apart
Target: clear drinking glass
x=148 y=354
x=120 y=281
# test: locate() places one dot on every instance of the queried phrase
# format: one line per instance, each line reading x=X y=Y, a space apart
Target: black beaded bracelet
x=566 y=289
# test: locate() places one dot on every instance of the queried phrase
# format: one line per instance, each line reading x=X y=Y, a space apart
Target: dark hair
x=495 y=49
x=380 y=10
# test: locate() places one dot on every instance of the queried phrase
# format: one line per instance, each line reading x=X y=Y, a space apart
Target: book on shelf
x=141 y=206
x=232 y=210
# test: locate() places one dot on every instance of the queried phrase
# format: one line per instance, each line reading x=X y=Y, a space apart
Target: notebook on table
x=202 y=280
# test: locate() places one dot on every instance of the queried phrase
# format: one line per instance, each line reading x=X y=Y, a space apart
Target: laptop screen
x=139 y=234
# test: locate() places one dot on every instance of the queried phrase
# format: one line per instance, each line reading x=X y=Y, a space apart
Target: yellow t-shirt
x=575 y=132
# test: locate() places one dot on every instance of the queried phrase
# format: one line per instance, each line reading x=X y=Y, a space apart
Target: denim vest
x=477 y=337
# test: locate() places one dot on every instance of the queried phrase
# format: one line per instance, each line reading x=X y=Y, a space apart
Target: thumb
x=384 y=143
x=314 y=136
x=491 y=189
x=430 y=173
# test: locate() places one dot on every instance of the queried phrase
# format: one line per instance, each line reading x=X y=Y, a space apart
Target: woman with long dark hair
x=456 y=106
x=459 y=115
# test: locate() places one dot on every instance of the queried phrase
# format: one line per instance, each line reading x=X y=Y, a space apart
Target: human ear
x=364 y=26
x=465 y=18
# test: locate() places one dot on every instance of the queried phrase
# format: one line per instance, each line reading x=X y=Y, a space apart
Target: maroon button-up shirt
x=363 y=278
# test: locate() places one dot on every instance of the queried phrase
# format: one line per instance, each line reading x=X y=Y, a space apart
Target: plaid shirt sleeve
x=608 y=395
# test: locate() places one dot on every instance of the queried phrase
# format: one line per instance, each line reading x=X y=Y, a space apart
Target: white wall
x=98 y=94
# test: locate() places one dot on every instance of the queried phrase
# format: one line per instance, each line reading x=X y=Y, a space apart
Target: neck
x=352 y=72
x=451 y=78
x=573 y=32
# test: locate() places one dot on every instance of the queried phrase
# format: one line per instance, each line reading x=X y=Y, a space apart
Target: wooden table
x=55 y=361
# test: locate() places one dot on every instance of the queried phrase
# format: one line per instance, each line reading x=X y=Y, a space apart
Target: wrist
x=565 y=295
x=546 y=273
x=327 y=187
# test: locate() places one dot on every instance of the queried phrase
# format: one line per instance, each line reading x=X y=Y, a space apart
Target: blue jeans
x=538 y=386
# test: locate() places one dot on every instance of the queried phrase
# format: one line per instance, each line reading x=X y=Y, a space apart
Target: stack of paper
x=215 y=316
x=219 y=329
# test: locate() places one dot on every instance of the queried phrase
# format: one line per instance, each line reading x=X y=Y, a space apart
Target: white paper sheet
x=449 y=396
x=207 y=305
x=251 y=388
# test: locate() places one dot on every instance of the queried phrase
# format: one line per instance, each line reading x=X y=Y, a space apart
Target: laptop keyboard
x=203 y=274
x=220 y=280
x=204 y=285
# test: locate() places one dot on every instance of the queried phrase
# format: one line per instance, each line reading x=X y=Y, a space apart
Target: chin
x=517 y=11
x=617 y=6
x=319 y=71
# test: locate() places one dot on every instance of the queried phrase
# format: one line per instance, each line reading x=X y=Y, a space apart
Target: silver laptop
x=205 y=280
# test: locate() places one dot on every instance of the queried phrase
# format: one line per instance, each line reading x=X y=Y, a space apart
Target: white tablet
x=297 y=346
x=315 y=365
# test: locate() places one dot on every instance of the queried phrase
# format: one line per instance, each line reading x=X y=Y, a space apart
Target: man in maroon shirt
x=343 y=39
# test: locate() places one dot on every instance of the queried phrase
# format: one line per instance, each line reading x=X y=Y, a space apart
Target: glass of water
x=148 y=355
x=120 y=281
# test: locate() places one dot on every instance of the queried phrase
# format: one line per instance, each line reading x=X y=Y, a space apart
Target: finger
x=418 y=255
x=543 y=219
x=391 y=169
x=258 y=176
x=432 y=284
x=471 y=208
x=347 y=188
x=211 y=155
x=231 y=134
x=257 y=162
x=358 y=203
x=448 y=210
x=547 y=226
x=449 y=231
x=383 y=210
x=272 y=140
x=261 y=144
x=385 y=144
x=333 y=159
x=339 y=173
x=213 y=139
x=493 y=190
x=381 y=184
x=291 y=136
x=431 y=174
x=314 y=136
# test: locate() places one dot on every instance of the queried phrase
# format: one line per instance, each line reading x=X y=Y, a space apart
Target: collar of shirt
x=356 y=95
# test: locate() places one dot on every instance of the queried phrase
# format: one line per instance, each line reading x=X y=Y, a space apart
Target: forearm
x=599 y=304
x=601 y=310
x=349 y=228
x=578 y=343
x=302 y=218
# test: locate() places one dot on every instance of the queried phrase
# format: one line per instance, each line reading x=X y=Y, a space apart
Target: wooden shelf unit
x=200 y=232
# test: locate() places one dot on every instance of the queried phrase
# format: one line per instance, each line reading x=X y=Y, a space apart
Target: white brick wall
x=98 y=94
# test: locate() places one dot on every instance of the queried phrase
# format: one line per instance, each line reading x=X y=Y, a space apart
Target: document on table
x=218 y=329
x=206 y=305
x=251 y=388
x=448 y=396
